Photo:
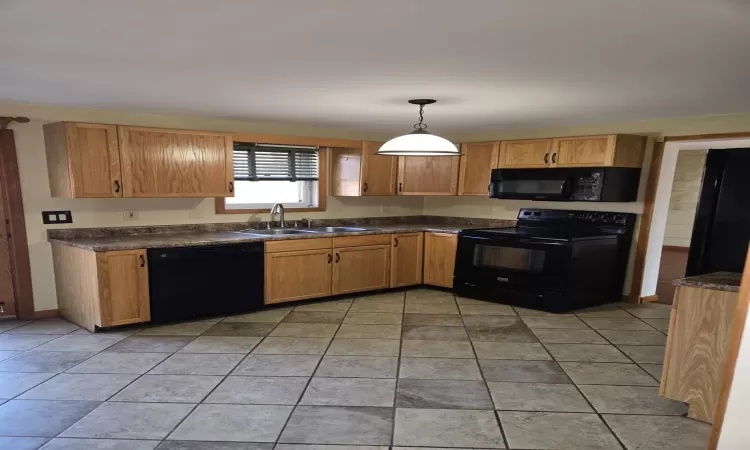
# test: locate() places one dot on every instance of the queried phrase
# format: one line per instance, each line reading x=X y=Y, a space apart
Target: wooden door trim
x=641 y=246
x=707 y=137
x=19 y=247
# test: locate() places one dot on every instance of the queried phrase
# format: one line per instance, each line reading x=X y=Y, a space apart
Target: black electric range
x=553 y=260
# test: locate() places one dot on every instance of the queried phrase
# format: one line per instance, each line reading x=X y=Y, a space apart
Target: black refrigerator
x=721 y=230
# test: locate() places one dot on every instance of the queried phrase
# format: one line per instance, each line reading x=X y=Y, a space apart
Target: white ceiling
x=354 y=63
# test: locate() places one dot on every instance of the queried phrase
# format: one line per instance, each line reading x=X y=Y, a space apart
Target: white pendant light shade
x=419 y=142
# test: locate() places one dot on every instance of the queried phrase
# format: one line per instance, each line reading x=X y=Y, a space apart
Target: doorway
x=16 y=298
x=664 y=181
x=683 y=203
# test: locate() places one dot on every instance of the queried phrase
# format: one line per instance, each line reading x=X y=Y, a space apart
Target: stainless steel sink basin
x=335 y=229
x=274 y=232
x=283 y=231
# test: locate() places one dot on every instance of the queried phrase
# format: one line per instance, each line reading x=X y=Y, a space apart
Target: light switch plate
x=55 y=217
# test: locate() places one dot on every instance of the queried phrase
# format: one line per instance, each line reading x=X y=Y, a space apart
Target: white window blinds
x=254 y=162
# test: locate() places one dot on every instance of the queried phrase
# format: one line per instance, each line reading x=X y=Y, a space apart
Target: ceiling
x=498 y=64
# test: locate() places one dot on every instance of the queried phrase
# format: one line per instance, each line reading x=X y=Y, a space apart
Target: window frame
x=221 y=207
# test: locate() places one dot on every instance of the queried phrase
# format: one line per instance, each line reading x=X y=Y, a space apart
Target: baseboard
x=676 y=248
x=650 y=299
x=47 y=314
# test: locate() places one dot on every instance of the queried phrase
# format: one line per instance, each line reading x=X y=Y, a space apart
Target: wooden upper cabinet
x=378 y=171
x=359 y=172
x=526 y=154
x=476 y=164
x=427 y=175
x=611 y=150
x=174 y=163
x=357 y=269
x=83 y=160
x=123 y=288
x=298 y=275
x=406 y=259
x=439 y=258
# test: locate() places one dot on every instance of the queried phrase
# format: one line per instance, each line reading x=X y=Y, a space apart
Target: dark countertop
x=101 y=242
x=717 y=281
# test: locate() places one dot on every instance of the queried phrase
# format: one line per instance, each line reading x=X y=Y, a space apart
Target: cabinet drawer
x=298 y=244
x=356 y=241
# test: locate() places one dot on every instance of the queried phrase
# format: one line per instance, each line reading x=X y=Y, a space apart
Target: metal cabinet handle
x=364 y=187
x=117 y=186
x=330 y=258
x=546 y=158
x=554 y=158
x=231 y=186
x=400 y=187
x=338 y=257
x=143 y=260
x=395 y=242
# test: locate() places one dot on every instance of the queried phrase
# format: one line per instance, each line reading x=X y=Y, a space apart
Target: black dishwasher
x=193 y=282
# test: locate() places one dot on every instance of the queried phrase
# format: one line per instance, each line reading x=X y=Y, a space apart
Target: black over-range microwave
x=590 y=184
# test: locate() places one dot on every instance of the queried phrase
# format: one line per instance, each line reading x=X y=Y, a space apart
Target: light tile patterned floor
x=419 y=368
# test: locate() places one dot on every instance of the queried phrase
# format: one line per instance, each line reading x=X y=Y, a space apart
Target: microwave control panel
x=587 y=188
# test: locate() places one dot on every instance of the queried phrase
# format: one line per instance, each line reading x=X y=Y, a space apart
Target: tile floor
x=414 y=369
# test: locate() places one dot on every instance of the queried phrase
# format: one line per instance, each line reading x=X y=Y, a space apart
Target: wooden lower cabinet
x=357 y=269
x=101 y=289
x=695 y=356
x=406 y=259
x=298 y=275
x=123 y=288
x=439 y=258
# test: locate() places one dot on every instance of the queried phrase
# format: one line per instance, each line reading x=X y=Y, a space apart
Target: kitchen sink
x=274 y=232
x=335 y=229
x=287 y=231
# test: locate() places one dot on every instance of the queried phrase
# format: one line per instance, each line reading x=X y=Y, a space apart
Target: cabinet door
x=526 y=154
x=298 y=275
x=123 y=287
x=406 y=259
x=439 y=258
x=357 y=269
x=83 y=160
x=586 y=151
x=169 y=163
x=477 y=161
x=378 y=171
x=427 y=175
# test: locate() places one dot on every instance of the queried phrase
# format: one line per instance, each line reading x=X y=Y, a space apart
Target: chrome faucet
x=278 y=208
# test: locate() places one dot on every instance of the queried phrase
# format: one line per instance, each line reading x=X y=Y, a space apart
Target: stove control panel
x=565 y=216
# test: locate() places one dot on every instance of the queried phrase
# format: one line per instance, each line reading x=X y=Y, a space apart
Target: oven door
x=528 y=264
x=531 y=184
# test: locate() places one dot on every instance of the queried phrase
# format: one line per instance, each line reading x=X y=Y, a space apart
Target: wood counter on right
x=699 y=324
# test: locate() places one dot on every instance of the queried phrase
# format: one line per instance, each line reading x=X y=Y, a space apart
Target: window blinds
x=254 y=162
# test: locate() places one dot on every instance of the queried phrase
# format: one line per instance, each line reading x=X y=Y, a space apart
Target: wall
x=735 y=434
x=109 y=212
x=683 y=200
x=95 y=213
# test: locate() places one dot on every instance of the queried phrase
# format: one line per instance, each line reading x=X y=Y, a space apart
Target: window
x=266 y=174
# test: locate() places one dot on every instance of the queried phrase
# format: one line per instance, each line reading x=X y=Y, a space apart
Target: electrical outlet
x=130 y=215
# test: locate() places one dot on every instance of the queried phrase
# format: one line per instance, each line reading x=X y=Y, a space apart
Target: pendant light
x=419 y=142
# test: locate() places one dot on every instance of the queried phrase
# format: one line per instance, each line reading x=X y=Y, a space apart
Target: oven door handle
x=533 y=242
